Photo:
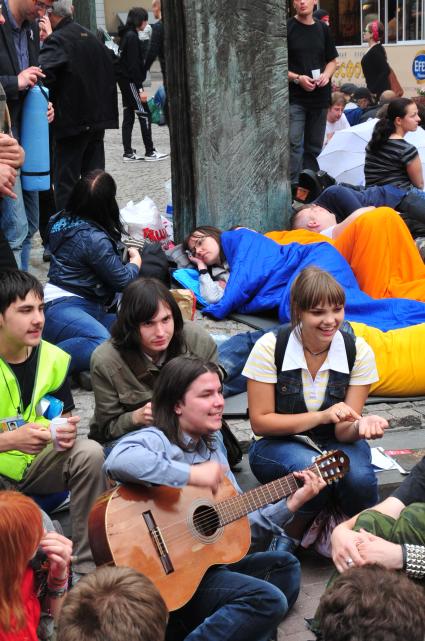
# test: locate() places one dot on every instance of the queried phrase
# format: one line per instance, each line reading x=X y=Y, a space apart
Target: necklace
x=316 y=353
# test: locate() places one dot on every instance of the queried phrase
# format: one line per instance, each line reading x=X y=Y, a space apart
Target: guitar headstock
x=332 y=465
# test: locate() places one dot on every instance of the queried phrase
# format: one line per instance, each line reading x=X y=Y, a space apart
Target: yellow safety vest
x=51 y=370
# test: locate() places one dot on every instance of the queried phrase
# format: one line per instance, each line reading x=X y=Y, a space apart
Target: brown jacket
x=122 y=386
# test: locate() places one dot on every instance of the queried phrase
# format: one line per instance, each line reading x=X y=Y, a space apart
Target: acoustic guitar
x=173 y=535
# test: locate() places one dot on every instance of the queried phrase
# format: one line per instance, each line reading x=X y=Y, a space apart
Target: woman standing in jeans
x=130 y=76
x=86 y=269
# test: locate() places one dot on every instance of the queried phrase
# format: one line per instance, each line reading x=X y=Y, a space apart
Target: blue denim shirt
x=147 y=456
x=20 y=39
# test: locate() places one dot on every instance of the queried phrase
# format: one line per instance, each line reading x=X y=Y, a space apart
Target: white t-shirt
x=332 y=127
x=261 y=367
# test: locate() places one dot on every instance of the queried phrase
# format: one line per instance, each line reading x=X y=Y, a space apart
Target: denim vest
x=289 y=398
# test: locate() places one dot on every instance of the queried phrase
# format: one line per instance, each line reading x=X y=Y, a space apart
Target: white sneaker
x=132 y=157
x=155 y=156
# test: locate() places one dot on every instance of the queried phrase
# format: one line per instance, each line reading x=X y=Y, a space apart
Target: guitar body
x=170 y=535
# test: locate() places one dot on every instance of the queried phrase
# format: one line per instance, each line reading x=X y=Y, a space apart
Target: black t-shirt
x=412 y=490
x=25 y=373
x=309 y=47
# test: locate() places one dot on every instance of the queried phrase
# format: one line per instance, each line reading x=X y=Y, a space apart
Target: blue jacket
x=86 y=260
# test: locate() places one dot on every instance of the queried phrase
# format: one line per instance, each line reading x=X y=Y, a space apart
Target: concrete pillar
x=226 y=66
x=85 y=14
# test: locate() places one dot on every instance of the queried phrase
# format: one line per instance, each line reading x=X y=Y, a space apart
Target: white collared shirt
x=260 y=365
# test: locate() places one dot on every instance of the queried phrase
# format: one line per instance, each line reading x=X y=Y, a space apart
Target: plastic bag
x=319 y=533
x=142 y=220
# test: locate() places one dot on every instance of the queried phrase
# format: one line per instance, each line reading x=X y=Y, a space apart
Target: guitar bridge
x=158 y=542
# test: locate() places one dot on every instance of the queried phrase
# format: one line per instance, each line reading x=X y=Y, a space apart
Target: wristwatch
x=296 y=80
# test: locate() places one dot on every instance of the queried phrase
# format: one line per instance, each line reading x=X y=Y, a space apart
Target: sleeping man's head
x=313 y=218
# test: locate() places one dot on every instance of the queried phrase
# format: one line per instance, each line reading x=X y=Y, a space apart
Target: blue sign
x=418 y=66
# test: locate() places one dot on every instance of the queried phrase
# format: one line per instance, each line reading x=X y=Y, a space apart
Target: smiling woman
x=313 y=382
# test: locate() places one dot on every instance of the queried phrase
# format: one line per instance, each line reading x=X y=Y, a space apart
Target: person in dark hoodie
x=86 y=269
x=130 y=76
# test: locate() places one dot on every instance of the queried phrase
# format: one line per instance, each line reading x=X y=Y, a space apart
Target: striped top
x=388 y=165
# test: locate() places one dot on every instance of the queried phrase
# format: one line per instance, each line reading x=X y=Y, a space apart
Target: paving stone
x=406 y=417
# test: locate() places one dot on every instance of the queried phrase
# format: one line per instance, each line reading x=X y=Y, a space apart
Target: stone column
x=226 y=66
x=85 y=14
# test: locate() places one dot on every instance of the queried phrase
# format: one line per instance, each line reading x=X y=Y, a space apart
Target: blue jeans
x=19 y=222
x=271 y=458
x=306 y=133
x=232 y=356
x=244 y=601
x=77 y=326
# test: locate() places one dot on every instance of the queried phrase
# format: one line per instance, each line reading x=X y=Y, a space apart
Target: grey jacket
x=120 y=389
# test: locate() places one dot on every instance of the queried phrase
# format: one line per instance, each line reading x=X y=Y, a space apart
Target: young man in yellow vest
x=30 y=369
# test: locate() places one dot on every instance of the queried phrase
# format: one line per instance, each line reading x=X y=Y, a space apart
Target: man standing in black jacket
x=80 y=75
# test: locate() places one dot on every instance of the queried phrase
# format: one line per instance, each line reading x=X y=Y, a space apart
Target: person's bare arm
x=345 y=540
x=338 y=229
x=414 y=171
x=266 y=422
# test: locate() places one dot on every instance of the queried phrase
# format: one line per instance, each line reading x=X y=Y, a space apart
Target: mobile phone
x=189 y=253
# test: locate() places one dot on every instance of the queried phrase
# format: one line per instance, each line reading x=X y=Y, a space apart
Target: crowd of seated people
x=157 y=384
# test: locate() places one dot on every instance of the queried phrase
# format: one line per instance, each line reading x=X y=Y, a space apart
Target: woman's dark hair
x=386 y=125
x=171 y=386
x=203 y=231
x=139 y=304
x=93 y=199
x=135 y=17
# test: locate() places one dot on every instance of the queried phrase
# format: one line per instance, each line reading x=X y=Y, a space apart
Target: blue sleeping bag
x=262 y=271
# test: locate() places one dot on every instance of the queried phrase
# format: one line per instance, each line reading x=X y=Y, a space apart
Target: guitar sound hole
x=205 y=520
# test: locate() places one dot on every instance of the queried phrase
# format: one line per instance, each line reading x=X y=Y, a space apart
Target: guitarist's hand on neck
x=208 y=474
x=313 y=484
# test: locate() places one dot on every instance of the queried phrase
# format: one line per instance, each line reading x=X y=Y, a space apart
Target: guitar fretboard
x=234 y=508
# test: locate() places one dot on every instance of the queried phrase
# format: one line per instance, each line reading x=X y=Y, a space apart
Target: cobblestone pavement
x=134 y=182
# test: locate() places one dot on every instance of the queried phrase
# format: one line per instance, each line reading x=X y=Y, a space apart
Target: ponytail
x=386 y=126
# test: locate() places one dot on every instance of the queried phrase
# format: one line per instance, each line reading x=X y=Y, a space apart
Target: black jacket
x=156 y=47
x=80 y=75
x=131 y=64
x=9 y=65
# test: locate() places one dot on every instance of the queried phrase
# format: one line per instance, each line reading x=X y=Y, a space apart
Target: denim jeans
x=77 y=326
x=19 y=222
x=271 y=458
x=232 y=356
x=244 y=601
x=306 y=134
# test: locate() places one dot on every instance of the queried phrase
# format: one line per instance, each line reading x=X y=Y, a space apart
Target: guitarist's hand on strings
x=208 y=474
x=313 y=484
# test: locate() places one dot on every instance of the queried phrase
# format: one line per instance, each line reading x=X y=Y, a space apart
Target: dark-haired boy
x=30 y=369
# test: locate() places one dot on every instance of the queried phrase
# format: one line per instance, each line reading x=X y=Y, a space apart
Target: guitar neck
x=238 y=506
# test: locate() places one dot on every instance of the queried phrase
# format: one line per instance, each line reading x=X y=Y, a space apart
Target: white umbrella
x=344 y=155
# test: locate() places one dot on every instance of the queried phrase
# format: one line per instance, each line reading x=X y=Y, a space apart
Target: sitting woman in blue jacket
x=86 y=269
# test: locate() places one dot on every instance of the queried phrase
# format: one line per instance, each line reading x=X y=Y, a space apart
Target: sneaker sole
x=155 y=159
x=132 y=159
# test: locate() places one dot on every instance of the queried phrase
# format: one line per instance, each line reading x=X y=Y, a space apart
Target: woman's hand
x=208 y=474
x=134 y=256
x=58 y=550
x=338 y=413
x=372 y=426
x=373 y=549
x=197 y=262
x=143 y=96
x=143 y=415
x=313 y=484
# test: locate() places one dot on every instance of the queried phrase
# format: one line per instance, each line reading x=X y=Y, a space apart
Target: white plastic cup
x=54 y=424
x=315 y=74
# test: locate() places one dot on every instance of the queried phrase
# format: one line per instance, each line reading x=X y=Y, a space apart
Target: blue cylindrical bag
x=35 y=172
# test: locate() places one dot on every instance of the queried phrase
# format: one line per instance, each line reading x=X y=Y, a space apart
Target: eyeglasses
x=198 y=243
x=42 y=5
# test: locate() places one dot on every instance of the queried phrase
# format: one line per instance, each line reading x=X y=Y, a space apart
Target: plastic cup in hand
x=54 y=424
